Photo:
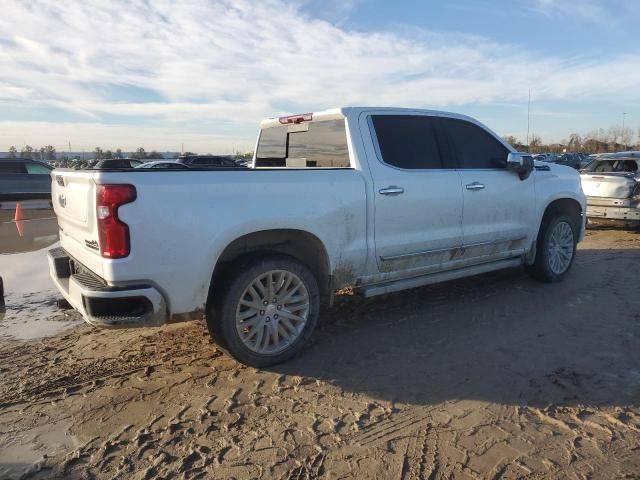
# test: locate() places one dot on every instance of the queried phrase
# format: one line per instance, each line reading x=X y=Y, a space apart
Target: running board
x=406 y=283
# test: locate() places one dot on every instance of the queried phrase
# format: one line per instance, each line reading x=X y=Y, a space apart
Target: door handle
x=475 y=186
x=392 y=190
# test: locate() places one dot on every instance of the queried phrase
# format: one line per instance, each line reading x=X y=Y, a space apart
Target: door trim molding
x=461 y=248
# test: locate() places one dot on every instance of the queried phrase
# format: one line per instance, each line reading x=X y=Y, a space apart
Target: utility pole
x=624 y=115
x=528 y=118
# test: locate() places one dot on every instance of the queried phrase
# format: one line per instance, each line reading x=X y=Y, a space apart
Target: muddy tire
x=555 y=248
x=267 y=312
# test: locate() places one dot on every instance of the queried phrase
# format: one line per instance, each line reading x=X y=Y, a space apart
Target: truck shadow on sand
x=500 y=337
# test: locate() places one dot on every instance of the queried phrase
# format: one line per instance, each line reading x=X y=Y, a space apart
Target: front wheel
x=268 y=312
x=555 y=248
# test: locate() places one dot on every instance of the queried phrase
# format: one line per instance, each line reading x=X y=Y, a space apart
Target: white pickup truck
x=378 y=199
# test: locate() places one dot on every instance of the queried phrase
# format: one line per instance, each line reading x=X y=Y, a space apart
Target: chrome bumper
x=101 y=304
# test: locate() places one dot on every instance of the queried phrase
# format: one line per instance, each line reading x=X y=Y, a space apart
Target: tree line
x=614 y=139
x=48 y=154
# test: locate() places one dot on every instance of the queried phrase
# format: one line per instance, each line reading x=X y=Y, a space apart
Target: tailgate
x=74 y=201
x=610 y=185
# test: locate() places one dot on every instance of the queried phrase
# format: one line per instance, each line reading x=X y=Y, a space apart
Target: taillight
x=113 y=233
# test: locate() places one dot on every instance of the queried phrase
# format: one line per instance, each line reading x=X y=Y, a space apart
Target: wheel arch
x=305 y=247
x=567 y=205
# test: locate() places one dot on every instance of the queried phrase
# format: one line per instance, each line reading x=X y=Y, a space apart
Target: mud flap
x=531 y=254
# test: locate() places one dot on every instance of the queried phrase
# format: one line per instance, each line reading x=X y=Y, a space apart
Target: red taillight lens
x=301 y=117
x=113 y=233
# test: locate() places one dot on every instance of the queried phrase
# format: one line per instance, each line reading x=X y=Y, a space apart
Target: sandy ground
x=489 y=377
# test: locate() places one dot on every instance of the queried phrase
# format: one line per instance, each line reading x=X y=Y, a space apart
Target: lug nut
x=275 y=300
x=261 y=312
x=279 y=307
x=275 y=316
x=265 y=303
x=268 y=319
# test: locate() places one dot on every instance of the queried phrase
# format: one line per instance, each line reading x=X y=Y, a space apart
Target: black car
x=209 y=161
x=570 y=160
x=109 y=163
x=24 y=179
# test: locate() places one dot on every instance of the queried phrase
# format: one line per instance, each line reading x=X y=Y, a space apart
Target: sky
x=164 y=73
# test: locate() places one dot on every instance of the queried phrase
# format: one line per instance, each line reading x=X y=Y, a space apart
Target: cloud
x=589 y=9
x=241 y=60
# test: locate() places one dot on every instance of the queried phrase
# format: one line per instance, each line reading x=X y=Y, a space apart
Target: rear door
x=610 y=179
x=417 y=194
x=498 y=208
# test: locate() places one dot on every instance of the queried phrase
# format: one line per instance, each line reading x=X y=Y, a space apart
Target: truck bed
x=186 y=218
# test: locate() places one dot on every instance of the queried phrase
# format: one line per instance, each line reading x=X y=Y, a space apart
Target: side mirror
x=520 y=163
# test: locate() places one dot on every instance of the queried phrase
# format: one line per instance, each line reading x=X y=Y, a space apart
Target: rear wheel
x=268 y=311
x=555 y=248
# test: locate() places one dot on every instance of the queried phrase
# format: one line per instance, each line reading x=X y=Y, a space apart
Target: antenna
x=528 y=118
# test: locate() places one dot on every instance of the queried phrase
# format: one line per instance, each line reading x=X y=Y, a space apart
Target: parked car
x=612 y=186
x=209 y=161
x=24 y=179
x=34 y=229
x=379 y=199
x=570 y=160
x=116 y=163
x=164 y=164
x=243 y=162
x=546 y=157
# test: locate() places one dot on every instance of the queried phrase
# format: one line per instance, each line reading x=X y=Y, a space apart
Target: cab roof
x=342 y=112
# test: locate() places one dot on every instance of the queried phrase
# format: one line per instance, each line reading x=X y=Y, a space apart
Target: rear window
x=323 y=145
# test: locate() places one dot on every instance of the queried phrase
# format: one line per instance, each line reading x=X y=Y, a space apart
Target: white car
x=612 y=185
x=163 y=164
x=379 y=199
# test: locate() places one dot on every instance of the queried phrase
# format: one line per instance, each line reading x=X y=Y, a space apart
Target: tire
x=547 y=267
x=255 y=329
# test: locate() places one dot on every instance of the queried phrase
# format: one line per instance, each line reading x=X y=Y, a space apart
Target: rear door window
x=12 y=167
x=323 y=145
x=473 y=146
x=408 y=141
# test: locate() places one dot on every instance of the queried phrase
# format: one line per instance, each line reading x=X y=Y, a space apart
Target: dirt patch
x=495 y=376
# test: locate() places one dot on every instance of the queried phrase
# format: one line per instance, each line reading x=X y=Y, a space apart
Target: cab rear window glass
x=323 y=145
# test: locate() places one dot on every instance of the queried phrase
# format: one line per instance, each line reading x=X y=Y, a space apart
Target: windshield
x=612 y=166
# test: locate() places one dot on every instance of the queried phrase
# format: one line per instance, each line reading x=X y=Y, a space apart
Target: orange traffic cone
x=19 y=219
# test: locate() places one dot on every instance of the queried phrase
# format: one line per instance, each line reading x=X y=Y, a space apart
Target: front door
x=498 y=208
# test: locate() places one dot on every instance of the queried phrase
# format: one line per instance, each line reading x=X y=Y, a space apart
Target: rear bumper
x=105 y=305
